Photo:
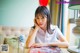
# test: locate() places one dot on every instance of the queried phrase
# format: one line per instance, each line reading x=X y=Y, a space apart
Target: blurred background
x=20 y=13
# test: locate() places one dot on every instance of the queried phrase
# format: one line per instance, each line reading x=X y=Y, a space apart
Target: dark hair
x=43 y=10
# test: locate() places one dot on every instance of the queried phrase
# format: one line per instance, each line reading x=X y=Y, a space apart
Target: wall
x=19 y=13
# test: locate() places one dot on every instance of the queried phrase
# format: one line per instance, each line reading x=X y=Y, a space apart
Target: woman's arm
x=62 y=40
x=61 y=43
x=31 y=38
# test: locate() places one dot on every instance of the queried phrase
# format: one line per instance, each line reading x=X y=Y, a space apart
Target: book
x=51 y=49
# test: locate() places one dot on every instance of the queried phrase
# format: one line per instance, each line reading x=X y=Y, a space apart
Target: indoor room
x=17 y=19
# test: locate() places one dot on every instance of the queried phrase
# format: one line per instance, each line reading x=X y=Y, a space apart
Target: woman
x=43 y=33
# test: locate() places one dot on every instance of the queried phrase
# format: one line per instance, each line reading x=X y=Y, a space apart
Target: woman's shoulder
x=53 y=26
x=31 y=29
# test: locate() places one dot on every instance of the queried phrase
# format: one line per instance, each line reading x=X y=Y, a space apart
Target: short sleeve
x=58 y=32
x=31 y=30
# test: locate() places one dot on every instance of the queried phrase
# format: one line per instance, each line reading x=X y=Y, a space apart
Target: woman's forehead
x=40 y=14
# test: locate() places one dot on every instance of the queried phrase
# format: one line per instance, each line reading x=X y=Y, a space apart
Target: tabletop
x=46 y=50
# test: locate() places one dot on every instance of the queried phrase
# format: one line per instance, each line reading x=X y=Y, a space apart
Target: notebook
x=51 y=49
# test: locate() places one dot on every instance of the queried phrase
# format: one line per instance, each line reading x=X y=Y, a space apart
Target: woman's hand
x=36 y=25
x=39 y=45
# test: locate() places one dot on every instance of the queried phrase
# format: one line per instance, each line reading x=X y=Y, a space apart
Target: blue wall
x=19 y=13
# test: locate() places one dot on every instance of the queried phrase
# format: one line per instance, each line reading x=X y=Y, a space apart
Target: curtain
x=57 y=13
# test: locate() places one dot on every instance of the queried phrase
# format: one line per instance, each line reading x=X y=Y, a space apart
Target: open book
x=51 y=49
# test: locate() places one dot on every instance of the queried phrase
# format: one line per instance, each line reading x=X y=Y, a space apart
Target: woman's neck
x=44 y=29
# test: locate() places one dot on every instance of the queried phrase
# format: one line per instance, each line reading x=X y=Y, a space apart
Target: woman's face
x=41 y=20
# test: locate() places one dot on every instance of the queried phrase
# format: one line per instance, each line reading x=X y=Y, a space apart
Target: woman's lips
x=40 y=24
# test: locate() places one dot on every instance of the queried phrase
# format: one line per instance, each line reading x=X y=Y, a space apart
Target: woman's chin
x=41 y=26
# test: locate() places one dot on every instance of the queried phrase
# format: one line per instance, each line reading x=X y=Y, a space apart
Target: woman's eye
x=42 y=17
x=37 y=18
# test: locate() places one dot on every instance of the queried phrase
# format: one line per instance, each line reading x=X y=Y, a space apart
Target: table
x=26 y=50
x=74 y=49
x=63 y=50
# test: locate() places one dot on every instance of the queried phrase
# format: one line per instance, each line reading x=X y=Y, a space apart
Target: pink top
x=42 y=37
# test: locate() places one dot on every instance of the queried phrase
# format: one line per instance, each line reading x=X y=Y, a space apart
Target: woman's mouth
x=40 y=24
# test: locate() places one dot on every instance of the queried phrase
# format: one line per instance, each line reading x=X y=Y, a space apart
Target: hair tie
x=43 y=2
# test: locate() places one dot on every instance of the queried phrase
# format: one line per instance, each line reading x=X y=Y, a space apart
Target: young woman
x=43 y=33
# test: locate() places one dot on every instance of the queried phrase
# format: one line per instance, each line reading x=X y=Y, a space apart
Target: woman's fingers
x=37 y=45
x=35 y=23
